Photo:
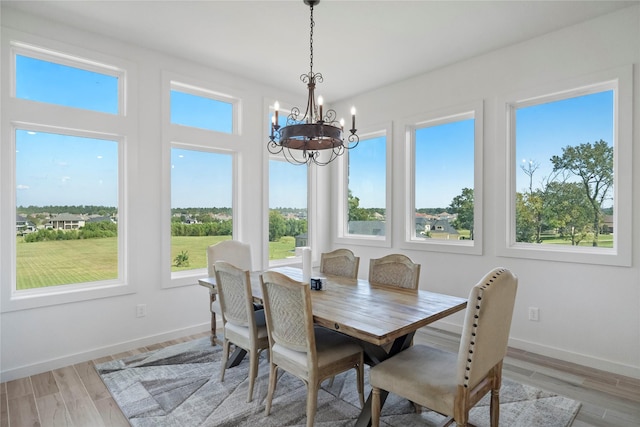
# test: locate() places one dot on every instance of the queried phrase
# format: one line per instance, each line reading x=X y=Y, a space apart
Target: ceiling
x=358 y=45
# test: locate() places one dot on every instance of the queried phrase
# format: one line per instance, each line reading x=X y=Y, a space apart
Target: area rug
x=180 y=386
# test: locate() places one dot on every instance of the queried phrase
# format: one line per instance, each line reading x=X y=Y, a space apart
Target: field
x=77 y=261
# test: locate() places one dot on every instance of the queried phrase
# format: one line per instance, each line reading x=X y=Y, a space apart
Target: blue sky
x=69 y=170
x=572 y=121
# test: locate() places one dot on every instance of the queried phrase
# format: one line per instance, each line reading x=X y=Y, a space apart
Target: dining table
x=382 y=318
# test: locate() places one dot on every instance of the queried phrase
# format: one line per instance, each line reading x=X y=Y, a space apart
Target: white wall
x=40 y=339
x=589 y=314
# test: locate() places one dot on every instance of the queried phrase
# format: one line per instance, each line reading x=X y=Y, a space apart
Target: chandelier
x=305 y=137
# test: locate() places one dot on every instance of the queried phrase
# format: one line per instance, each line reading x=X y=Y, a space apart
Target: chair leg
x=312 y=402
x=253 y=372
x=375 y=407
x=273 y=376
x=494 y=407
x=225 y=356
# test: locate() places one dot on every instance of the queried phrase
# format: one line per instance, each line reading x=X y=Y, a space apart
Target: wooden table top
x=371 y=313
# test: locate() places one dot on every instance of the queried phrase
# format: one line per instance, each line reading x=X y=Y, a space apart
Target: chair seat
x=243 y=331
x=330 y=346
x=433 y=384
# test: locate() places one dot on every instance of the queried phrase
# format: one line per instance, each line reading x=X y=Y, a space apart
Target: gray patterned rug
x=179 y=386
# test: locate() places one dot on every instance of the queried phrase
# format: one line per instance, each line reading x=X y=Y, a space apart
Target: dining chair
x=242 y=327
x=341 y=262
x=452 y=383
x=395 y=270
x=296 y=346
x=234 y=252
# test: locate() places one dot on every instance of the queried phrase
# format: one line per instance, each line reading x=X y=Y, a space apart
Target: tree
x=356 y=213
x=593 y=165
x=568 y=210
x=463 y=206
x=277 y=226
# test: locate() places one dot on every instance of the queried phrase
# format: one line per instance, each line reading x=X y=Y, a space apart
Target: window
x=564 y=181
x=66 y=157
x=569 y=181
x=287 y=210
x=200 y=127
x=445 y=181
x=200 y=108
x=363 y=194
x=66 y=209
x=65 y=81
x=201 y=205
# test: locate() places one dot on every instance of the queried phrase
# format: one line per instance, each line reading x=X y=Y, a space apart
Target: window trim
x=12 y=299
x=474 y=110
x=50 y=55
x=44 y=117
x=621 y=81
x=192 y=138
x=342 y=237
x=180 y=86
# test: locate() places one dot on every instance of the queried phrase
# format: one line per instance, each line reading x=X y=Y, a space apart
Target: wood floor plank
x=44 y=384
x=4 y=413
x=53 y=411
x=111 y=413
x=83 y=412
x=70 y=384
x=19 y=387
x=91 y=380
x=23 y=411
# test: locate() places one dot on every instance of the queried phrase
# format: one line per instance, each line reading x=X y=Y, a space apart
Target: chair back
x=234 y=290
x=232 y=251
x=287 y=307
x=486 y=326
x=395 y=270
x=341 y=262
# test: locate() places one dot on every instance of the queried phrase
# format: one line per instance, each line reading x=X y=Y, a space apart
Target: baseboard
x=72 y=359
x=444 y=330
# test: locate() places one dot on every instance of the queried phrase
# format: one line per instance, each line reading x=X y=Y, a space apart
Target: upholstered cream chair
x=239 y=318
x=341 y=262
x=452 y=383
x=311 y=354
x=233 y=252
x=395 y=270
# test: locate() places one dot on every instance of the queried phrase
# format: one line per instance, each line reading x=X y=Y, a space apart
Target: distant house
x=67 y=221
x=100 y=219
x=302 y=240
x=607 y=224
x=24 y=226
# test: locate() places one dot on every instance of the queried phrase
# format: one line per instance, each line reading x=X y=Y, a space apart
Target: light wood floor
x=76 y=396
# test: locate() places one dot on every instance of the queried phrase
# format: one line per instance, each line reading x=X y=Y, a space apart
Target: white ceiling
x=358 y=45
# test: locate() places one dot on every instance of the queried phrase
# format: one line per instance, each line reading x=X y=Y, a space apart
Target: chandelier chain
x=311 y=25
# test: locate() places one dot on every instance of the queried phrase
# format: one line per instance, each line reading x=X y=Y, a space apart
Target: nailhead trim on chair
x=476 y=316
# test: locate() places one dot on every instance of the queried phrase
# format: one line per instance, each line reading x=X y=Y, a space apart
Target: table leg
x=236 y=357
x=374 y=355
x=212 y=298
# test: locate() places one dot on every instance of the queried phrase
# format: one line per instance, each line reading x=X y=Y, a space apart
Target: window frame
x=312 y=174
x=473 y=110
x=198 y=90
x=342 y=236
x=619 y=80
x=18 y=113
x=193 y=138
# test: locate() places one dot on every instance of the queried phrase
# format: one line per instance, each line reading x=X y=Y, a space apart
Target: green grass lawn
x=41 y=264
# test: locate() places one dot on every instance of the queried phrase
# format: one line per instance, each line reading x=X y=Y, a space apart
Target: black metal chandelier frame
x=316 y=131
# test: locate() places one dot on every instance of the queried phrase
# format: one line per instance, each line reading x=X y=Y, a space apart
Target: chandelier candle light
x=304 y=137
